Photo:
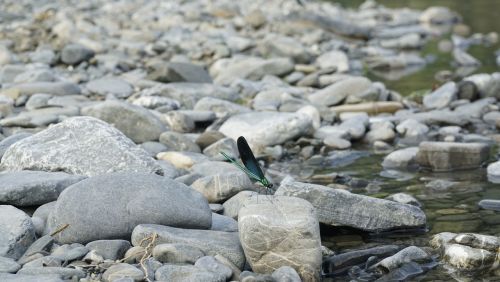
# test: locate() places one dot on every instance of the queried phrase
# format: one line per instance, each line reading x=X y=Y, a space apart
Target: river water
x=448 y=199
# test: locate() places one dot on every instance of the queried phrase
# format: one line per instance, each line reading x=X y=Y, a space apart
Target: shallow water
x=480 y=15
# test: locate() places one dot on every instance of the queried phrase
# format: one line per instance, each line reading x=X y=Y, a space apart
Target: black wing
x=248 y=158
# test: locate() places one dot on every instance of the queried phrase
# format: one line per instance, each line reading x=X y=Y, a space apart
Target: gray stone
x=7 y=142
x=40 y=117
x=274 y=45
x=252 y=68
x=281 y=231
x=70 y=252
x=30 y=188
x=334 y=58
x=336 y=142
x=404 y=198
x=177 y=253
x=463 y=58
x=286 y=274
x=220 y=107
x=35 y=75
x=449 y=156
x=438 y=15
x=37 y=101
x=156 y=102
x=234 y=204
x=153 y=148
x=209 y=242
x=9 y=72
x=340 y=208
x=17 y=232
x=441 y=97
x=173 y=272
x=8 y=265
x=54 y=88
x=145 y=198
x=402 y=257
x=337 y=92
x=169 y=170
x=135 y=122
x=220 y=187
x=211 y=264
x=226 y=145
x=207 y=138
x=109 y=249
x=267 y=128
x=46 y=261
x=6 y=277
x=41 y=246
x=65 y=273
x=43 y=55
x=223 y=223
x=401 y=159
x=179 y=72
x=178 y=142
x=104 y=86
x=467 y=258
x=380 y=131
x=486 y=242
x=73 y=54
x=488 y=85
x=179 y=121
x=69 y=147
x=122 y=270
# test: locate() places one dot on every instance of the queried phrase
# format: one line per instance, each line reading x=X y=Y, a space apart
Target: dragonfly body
x=250 y=165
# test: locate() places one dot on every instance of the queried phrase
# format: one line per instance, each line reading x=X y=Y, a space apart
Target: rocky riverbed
x=113 y=116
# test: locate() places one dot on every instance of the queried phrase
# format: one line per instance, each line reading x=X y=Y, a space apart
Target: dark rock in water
x=449 y=156
x=340 y=264
x=405 y=272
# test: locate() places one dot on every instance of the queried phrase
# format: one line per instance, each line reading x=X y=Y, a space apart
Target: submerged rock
x=449 y=156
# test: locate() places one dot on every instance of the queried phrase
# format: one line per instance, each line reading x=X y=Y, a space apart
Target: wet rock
x=126 y=117
x=340 y=208
x=17 y=232
x=401 y=159
x=441 y=97
x=173 y=272
x=123 y=270
x=490 y=204
x=267 y=128
x=178 y=142
x=337 y=92
x=30 y=188
x=294 y=243
x=109 y=249
x=68 y=147
x=104 y=86
x=402 y=257
x=449 y=156
x=160 y=200
x=73 y=54
x=404 y=198
x=209 y=242
x=467 y=258
x=177 y=253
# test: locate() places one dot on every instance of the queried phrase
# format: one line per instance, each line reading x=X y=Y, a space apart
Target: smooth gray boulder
x=281 y=231
x=449 y=156
x=135 y=122
x=267 y=128
x=17 y=232
x=79 y=145
x=91 y=205
x=341 y=208
x=210 y=242
x=30 y=188
x=220 y=187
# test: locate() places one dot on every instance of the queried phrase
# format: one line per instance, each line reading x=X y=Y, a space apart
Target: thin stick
x=59 y=230
x=148 y=251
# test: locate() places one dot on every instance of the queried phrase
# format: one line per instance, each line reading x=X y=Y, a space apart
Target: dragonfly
x=250 y=165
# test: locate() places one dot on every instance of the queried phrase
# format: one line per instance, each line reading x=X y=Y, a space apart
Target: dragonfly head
x=266 y=183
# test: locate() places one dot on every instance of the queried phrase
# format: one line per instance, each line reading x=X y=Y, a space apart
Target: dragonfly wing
x=244 y=169
x=248 y=158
